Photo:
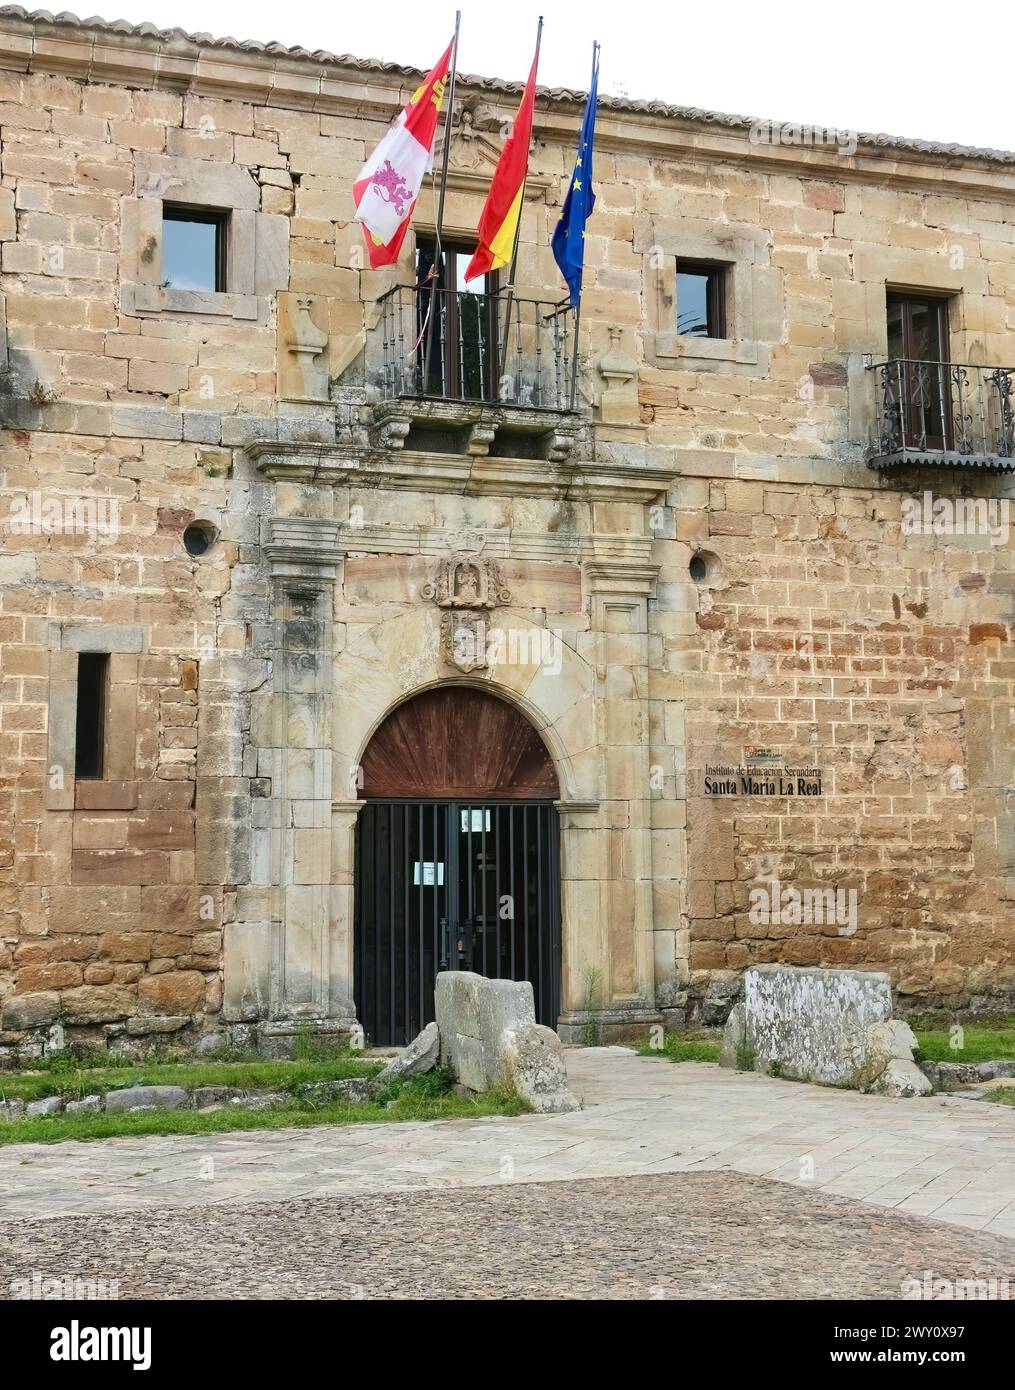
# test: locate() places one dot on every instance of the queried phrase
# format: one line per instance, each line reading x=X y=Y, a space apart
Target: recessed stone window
x=90 y=721
x=195 y=243
x=701 y=294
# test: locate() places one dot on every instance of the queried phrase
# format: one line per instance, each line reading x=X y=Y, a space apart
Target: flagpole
x=518 y=233
x=578 y=309
x=434 y=271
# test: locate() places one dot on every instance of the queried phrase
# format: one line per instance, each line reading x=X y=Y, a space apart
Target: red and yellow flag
x=499 y=220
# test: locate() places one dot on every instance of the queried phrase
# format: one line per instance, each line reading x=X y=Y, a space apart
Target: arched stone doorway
x=457 y=858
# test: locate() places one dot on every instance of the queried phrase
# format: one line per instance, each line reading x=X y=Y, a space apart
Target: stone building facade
x=240 y=547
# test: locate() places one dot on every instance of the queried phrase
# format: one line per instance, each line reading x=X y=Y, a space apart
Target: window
x=93 y=678
x=193 y=249
x=918 y=350
x=464 y=335
x=701 y=308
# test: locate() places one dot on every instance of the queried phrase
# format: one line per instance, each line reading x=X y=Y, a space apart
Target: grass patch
x=679 y=1047
x=72 y=1081
x=420 y=1098
x=1001 y=1095
x=979 y=1045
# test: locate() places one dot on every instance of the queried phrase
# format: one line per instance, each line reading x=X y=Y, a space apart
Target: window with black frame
x=456 y=324
x=193 y=248
x=701 y=299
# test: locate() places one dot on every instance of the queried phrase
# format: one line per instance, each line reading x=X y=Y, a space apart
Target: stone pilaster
x=294 y=973
x=607 y=857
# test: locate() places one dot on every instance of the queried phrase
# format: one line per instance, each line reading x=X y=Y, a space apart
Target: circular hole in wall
x=199 y=537
x=706 y=569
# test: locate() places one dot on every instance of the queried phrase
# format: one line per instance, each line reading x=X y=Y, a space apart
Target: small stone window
x=701 y=300
x=193 y=249
x=90 y=736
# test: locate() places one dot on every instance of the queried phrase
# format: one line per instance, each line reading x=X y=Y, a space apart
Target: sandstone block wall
x=821 y=633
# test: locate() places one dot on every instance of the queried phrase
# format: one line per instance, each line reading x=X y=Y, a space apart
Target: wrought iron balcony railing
x=943 y=412
x=452 y=345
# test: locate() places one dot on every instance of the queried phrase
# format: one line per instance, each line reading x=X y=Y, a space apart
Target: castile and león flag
x=389 y=183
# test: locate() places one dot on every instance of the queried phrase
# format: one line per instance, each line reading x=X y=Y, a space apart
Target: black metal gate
x=453 y=885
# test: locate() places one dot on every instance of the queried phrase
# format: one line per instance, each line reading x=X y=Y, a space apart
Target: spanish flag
x=499 y=221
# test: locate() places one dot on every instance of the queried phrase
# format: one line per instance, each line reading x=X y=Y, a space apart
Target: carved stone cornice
x=413 y=470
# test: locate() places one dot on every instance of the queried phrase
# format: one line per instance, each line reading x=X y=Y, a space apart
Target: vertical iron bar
x=484 y=881
x=525 y=886
x=514 y=901
x=541 y=914
x=942 y=379
x=462 y=386
x=421 y=850
x=496 y=886
x=391 y=920
x=904 y=401
x=574 y=360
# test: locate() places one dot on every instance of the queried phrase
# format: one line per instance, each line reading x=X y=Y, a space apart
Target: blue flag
x=569 y=238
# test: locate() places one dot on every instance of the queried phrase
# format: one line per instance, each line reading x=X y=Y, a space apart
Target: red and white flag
x=389 y=183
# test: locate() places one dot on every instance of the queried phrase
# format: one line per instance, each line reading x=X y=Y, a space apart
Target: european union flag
x=569 y=238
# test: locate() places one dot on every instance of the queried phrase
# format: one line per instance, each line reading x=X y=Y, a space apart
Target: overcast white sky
x=927 y=68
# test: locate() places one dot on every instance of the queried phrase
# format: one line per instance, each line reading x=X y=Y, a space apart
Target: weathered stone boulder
x=733 y=1038
x=421 y=1056
x=810 y=1023
x=11 y=1109
x=146 y=1098
x=830 y=1026
x=887 y=1066
x=532 y=1062
x=88 y=1105
x=489 y=1037
x=49 y=1105
x=357 y=1089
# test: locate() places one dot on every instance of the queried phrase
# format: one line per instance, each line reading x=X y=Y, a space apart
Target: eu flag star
x=577 y=184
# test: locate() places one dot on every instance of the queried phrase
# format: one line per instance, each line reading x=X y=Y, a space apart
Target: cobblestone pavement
x=678 y=1235
x=950 y=1158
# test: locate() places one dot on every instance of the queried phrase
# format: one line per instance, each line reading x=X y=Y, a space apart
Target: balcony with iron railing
x=476 y=373
x=942 y=413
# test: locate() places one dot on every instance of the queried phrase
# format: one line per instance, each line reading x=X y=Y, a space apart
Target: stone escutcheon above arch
x=528 y=666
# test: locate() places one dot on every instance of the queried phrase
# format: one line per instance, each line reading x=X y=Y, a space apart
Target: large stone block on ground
x=829 y=1026
x=489 y=1037
x=146 y=1098
x=531 y=1061
x=810 y=1023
